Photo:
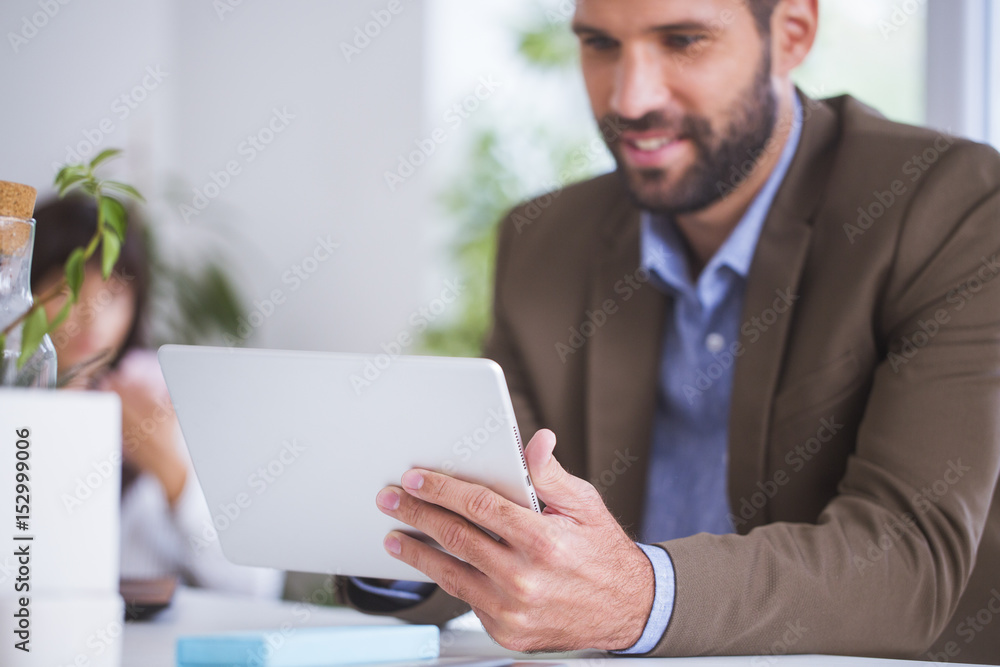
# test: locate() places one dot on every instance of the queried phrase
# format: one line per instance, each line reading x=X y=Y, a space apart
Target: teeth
x=651 y=144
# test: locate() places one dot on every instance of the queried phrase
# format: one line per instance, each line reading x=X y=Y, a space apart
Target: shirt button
x=714 y=342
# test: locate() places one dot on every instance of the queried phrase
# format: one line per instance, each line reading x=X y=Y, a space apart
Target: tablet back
x=291 y=448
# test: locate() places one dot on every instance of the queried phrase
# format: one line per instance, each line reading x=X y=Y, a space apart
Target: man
x=770 y=340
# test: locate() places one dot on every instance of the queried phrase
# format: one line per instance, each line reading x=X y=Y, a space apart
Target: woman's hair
x=62 y=225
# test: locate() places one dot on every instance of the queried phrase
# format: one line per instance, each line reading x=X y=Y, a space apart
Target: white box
x=64 y=558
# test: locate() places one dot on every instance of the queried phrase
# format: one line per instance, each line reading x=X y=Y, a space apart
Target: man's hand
x=569 y=578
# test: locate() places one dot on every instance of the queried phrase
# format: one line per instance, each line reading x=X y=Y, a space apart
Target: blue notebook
x=310 y=647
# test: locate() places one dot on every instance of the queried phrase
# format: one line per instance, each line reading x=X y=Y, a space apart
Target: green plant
x=195 y=298
x=193 y=305
x=549 y=44
x=490 y=182
x=112 y=223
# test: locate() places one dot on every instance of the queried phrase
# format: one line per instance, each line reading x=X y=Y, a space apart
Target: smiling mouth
x=652 y=151
x=651 y=144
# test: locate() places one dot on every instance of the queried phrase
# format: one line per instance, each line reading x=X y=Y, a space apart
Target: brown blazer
x=864 y=433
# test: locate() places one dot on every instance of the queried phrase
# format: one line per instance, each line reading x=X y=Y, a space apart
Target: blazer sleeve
x=881 y=571
x=439 y=607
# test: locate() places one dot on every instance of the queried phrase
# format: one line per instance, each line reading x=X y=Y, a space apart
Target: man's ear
x=793 y=30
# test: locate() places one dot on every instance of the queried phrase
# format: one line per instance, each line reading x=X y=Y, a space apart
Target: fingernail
x=392 y=544
x=413 y=480
x=387 y=499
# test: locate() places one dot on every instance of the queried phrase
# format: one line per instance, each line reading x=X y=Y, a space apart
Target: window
x=993 y=74
x=875 y=50
x=961 y=80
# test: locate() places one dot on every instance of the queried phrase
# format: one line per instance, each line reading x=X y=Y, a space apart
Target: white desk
x=151 y=643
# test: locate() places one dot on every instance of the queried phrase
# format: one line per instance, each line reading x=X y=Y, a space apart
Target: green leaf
x=69 y=170
x=551 y=46
x=61 y=315
x=114 y=215
x=111 y=247
x=125 y=189
x=35 y=327
x=104 y=156
x=68 y=182
x=63 y=173
x=74 y=271
x=69 y=176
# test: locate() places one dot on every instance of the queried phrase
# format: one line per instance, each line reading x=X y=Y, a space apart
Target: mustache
x=612 y=126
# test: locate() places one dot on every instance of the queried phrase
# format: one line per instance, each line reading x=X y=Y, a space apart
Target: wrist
x=637 y=600
x=172 y=477
x=664 y=589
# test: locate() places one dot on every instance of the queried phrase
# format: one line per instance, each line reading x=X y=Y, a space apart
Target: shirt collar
x=662 y=249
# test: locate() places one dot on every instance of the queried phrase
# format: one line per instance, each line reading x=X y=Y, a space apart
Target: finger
x=558 y=489
x=480 y=505
x=448 y=529
x=458 y=579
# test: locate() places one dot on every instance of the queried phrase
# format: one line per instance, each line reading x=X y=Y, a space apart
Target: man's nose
x=640 y=85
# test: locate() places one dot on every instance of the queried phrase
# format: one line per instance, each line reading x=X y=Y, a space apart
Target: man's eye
x=598 y=43
x=681 y=42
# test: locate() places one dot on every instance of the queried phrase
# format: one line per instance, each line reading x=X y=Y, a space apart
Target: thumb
x=555 y=487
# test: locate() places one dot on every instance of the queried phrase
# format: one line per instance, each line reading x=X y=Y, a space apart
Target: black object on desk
x=144 y=598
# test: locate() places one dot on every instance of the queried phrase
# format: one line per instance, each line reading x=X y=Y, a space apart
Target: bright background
x=230 y=63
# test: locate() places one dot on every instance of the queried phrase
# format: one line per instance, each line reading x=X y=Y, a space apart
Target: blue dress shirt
x=686 y=478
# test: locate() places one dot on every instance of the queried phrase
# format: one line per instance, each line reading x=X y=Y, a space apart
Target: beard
x=750 y=127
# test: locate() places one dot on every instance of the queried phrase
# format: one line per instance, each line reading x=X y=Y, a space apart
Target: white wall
x=322 y=175
x=63 y=82
x=223 y=75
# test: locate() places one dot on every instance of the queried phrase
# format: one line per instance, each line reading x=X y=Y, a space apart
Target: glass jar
x=17 y=238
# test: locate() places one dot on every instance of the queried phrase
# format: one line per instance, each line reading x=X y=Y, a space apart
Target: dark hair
x=762 y=11
x=62 y=225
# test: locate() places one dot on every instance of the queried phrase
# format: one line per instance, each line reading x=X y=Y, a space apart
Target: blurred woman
x=166 y=528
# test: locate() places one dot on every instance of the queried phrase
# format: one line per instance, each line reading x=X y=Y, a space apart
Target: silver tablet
x=290 y=448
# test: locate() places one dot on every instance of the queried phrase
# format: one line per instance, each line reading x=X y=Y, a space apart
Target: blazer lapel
x=771 y=284
x=622 y=369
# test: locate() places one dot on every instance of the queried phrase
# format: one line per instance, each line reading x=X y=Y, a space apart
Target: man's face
x=682 y=91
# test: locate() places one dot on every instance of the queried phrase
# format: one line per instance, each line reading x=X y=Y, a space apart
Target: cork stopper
x=16 y=201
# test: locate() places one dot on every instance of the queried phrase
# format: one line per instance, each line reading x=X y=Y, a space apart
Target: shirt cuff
x=663 y=601
x=403 y=591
